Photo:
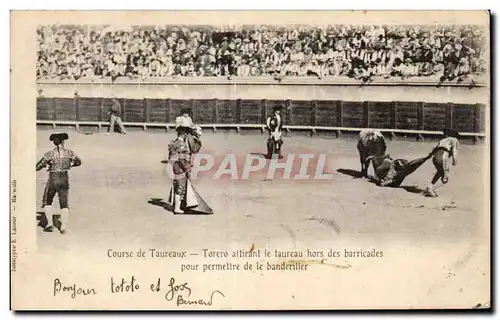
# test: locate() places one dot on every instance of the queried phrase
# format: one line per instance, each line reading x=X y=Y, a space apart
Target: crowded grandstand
x=359 y=52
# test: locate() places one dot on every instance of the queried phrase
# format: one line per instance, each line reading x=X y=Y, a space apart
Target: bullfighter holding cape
x=183 y=195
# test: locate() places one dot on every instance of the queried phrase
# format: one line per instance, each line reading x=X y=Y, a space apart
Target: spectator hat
x=408 y=60
x=277 y=108
x=246 y=40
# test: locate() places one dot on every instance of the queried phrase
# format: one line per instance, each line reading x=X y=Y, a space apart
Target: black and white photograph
x=251 y=160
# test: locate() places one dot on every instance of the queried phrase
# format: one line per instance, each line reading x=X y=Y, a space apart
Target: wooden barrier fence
x=421 y=118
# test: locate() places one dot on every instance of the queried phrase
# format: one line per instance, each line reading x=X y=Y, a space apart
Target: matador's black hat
x=276 y=108
x=451 y=133
x=182 y=130
x=59 y=136
x=185 y=110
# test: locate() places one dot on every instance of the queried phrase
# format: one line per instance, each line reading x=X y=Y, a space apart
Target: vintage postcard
x=250 y=160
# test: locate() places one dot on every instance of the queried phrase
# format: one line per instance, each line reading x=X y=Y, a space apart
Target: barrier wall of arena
x=314 y=103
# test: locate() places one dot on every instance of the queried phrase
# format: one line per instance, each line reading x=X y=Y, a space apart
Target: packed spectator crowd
x=360 y=52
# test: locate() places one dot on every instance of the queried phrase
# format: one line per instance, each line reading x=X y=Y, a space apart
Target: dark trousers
x=58 y=183
x=440 y=161
x=273 y=146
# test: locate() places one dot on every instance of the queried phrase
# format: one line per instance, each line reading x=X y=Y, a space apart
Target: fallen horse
x=391 y=172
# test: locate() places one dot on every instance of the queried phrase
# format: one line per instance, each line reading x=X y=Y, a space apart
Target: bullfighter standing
x=115 y=118
x=446 y=148
x=180 y=155
x=274 y=125
x=183 y=195
x=59 y=161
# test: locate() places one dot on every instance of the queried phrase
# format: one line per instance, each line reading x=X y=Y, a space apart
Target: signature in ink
x=181 y=293
x=176 y=290
x=200 y=302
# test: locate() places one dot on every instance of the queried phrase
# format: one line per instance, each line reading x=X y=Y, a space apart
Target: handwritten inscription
x=181 y=292
x=73 y=290
x=176 y=290
x=124 y=285
x=181 y=301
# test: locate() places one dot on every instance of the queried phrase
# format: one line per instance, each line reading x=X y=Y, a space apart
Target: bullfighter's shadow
x=169 y=207
x=262 y=155
x=371 y=179
x=356 y=175
x=353 y=173
x=413 y=189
